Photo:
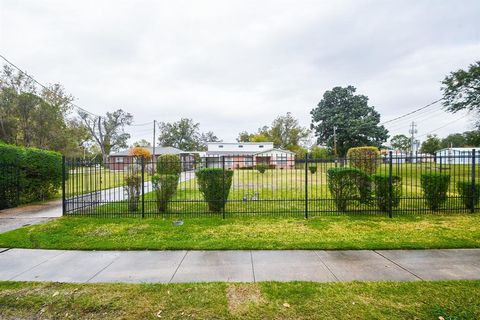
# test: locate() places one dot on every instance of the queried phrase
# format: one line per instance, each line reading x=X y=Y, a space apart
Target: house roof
x=158 y=151
x=466 y=149
x=245 y=153
x=275 y=149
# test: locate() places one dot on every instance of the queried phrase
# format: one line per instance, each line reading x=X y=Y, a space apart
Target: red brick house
x=121 y=160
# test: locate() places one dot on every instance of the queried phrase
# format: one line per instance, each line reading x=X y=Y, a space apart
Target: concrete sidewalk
x=244 y=266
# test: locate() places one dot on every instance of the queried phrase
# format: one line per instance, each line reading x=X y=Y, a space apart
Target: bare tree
x=108 y=132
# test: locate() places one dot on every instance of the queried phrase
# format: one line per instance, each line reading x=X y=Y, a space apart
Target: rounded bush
x=348 y=184
x=165 y=187
x=261 y=167
x=382 y=194
x=435 y=188
x=364 y=158
x=469 y=197
x=215 y=184
x=312 y=169
x=169 y=164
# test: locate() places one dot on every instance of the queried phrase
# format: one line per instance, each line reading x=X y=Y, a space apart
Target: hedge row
x=39 y=171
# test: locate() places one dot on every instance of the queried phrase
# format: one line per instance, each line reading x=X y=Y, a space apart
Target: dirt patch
x=241 y=296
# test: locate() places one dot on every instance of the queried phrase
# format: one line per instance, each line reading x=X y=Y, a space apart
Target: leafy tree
x=108 y=132
x=321 y=153
x=461 y=89
x=206 y=138
x=401 y=142
x=35 y=119
x=285 y=132
x=454 y=140
x=472 y=138
x=431 y=144
x=185 y=135
x=142 y=143
x=260 y=136
x=357 y=123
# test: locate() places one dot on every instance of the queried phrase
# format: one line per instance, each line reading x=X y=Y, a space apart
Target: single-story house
x=399 y=156
x=121 y=160
x=236 y=155
x=457 y=155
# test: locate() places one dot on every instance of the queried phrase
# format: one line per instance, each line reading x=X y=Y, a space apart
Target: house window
x=240 y=146
x=260 y=146
x=248 y=161
x=220 y=146
x=119 y=159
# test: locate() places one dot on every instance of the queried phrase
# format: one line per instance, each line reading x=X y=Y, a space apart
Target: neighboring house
x=235 y=155
x=121 y=160
x=457 y=155
x=399 y=156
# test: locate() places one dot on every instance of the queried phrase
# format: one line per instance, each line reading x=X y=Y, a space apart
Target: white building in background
x=247 y=154
x=457 y=155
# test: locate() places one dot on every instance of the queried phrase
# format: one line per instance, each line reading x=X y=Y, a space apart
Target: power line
x=441 y=127
x=141 y=124
x=412 y=112
x=45 y=87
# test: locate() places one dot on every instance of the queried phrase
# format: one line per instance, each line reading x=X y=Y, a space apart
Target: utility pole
x=335 y=140
x=153 y=145
x=413 y=131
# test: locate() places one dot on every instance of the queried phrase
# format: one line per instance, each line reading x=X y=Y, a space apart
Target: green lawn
x=267 y=300
x=331 y=232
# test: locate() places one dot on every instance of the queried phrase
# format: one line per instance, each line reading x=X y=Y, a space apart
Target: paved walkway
x=15 y=218
x=244 y=266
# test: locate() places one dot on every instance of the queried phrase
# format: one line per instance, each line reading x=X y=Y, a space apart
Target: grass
x=331 y=232
x=267 y=300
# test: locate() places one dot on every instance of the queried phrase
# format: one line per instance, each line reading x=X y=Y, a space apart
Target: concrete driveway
x=15 y=218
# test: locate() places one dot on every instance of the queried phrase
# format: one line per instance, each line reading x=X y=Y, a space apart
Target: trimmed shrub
x=464 y=188
x=382 y=194
x=312 y=169
x=435 y=188
x=347 y=184
x=40 y=171
x=169 y=164
x=133 y=185
x=364 y=158
x=165 y=187
x=165 y=182
x=214 y=184
x=261 y=167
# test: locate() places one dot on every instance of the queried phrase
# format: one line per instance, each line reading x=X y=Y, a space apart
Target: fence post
x=306 y=185
x=472 y=199
x=143 y=187
x=64 y=176
x=223 y=188
x=390 y=186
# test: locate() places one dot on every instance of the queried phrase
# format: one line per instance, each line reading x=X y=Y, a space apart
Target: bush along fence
x=364 y=182
x=28 y=175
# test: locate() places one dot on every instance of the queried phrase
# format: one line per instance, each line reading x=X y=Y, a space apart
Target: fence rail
x=9 y=186
x=276 y=186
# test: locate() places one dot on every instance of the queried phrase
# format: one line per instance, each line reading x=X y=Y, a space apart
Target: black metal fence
x=275 y=185
x=9 y=186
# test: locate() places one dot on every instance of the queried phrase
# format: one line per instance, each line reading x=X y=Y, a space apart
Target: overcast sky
x=236 y=65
